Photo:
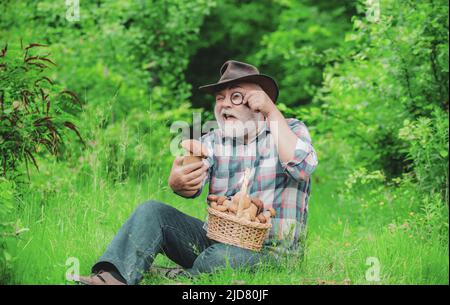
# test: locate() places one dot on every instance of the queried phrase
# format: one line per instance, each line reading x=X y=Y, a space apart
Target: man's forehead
x=234 y=86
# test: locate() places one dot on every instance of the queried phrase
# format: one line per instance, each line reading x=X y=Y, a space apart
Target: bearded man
x=253 y=134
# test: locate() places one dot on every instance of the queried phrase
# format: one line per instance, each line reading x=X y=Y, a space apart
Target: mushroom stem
x=251 y=211
x=243 y=192
x=190 y=158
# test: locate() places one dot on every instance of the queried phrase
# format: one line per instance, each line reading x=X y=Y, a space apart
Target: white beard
x=238 y=129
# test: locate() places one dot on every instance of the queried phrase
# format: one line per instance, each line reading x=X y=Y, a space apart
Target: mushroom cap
x=262 y=218
x=272 y=212
x=227 y=203
x=253 y=211
x=195 y=147
x=221 y=199
x=189 y=159
x=233 y=207
x=220 y=208
x=259 y=204
x=212 y=197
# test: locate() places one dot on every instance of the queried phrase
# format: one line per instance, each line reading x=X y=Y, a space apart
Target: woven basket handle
x=244 y=189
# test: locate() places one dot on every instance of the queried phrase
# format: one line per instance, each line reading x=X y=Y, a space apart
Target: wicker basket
x=229 y=229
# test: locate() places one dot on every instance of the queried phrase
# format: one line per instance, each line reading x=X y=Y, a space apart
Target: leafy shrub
x=427 y=139
x=33 y=109
x=389 y=70
x=303 y=43
x=433 y=221
x=119 y=53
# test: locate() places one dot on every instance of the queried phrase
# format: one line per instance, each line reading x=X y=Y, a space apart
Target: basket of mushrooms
x=238 y=220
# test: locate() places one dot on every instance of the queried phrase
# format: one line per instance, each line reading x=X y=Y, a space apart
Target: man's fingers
x=250 y=100
x=192 y=167
x=195 y=174
x=246 y=97
x=249 y=94
x=197 y=180
x=193 y=188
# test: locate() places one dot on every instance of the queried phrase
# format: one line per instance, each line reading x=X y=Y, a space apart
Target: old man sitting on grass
x=253 y=134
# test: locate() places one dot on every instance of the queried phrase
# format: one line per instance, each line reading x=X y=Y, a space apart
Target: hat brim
x=266 y=82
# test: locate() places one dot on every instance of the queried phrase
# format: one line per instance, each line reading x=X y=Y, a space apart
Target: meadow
x=78 y=217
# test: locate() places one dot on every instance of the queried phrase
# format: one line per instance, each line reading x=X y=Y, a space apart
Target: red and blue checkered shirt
x=284 y=186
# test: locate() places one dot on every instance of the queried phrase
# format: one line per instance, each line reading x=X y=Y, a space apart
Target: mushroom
x=195 y=151
x=234 y=207
x=272 y=212
x=261 y=218
x=259 y=204
x=266 y=215
x=231 y=206
x=251 y=212
x=221 y=199
x=220 y=208
x=212 y=197
x=241 y=204
x=246 y=200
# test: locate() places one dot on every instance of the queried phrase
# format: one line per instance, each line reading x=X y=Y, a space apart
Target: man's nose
x=227 y=102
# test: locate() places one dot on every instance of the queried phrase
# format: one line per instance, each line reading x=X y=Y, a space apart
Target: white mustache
x=228 y=112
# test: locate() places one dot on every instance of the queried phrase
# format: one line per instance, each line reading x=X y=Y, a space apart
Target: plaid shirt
x=284 y=186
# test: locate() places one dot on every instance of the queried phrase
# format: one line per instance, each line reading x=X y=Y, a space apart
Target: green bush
x=33 y=109
x=427 y=139
x=388 y=71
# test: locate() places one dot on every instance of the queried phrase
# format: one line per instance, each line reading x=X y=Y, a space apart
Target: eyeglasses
x=237 y=98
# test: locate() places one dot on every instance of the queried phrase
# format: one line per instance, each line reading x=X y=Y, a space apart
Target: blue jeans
x=157 y=228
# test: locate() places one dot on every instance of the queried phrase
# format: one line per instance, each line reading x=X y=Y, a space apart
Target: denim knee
x=221 y=255
x=152 y=209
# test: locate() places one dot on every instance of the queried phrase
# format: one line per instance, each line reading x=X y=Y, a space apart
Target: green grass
x=71 y=214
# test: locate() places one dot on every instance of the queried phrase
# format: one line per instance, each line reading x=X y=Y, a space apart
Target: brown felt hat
x=233 y=71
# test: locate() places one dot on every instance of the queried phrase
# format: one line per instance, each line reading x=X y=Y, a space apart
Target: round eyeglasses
x=237 y=98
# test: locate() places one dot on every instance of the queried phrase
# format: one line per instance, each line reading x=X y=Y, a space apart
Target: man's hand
x=259 y=101
x=187 y=180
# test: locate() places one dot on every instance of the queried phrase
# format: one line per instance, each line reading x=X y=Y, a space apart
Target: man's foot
x=170 y=273
x=100 y=278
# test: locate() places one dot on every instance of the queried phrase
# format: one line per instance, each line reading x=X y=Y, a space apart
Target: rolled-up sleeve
x=302 y=165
